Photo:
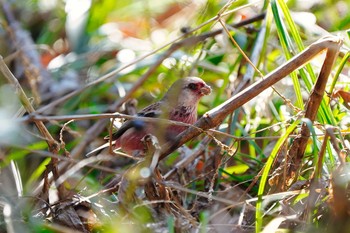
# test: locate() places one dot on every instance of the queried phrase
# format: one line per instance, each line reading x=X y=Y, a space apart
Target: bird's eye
x=192 y=86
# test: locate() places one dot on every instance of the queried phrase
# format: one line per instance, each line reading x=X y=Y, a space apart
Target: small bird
x=178 y=104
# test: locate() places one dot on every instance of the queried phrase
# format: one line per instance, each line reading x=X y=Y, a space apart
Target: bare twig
x=46 y=154
x=238 y=47
x=188 y=159
x=35 y=117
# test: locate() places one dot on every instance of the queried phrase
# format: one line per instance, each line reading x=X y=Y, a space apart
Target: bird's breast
x=184 y=114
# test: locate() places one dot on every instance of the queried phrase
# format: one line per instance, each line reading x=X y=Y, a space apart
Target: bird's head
x=187 y=91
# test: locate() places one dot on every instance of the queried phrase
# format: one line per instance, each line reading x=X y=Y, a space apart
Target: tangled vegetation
x=269 y=152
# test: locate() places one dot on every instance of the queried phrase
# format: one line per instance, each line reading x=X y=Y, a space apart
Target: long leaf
x=264 y=177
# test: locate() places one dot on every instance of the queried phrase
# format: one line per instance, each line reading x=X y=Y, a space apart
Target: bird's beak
x=205 y=90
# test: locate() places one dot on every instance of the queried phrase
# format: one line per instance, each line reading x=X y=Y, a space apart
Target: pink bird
x=178 y=104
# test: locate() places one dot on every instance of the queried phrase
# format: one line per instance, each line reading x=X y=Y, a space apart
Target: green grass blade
x=340 y=68
x=264 y=177
x=37 y=173
x=324 y=113
x=286 y=46
x=297 y=39
x=314 y=144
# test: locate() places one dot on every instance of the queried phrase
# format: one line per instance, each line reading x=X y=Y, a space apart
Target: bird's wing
x=153 y=111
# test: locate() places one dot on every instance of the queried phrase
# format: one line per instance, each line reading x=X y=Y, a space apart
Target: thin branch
x=239 y=48
x=35 y=117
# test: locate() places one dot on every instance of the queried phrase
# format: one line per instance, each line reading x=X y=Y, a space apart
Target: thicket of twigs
x=270 y=153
